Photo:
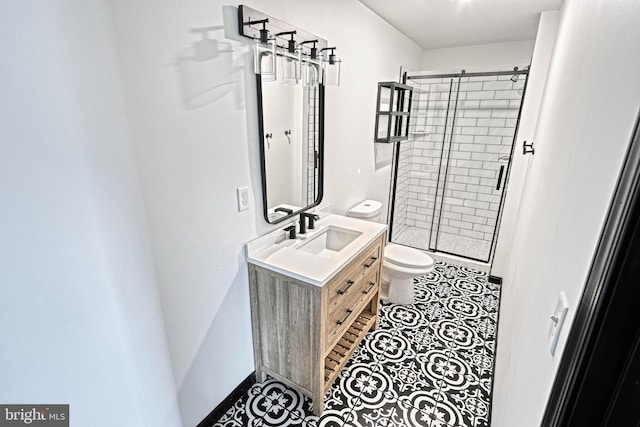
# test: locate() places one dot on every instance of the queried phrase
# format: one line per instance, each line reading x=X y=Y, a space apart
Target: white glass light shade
x=290 y=71
x=310 y=74
x=331 y=71
x=265 y=62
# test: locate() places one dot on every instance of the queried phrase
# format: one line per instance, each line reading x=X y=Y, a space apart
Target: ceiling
x=434 y=24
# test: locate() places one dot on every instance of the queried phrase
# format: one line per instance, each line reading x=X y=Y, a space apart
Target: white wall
x=521 y=163
x=284 y=154
x=79 y=308
x=486 y=57
x=192 y=156
x=587 y=115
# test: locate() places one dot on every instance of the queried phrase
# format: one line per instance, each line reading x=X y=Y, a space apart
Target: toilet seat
x=405 y=258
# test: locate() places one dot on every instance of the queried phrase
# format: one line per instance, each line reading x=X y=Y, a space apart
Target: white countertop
x=275 y=252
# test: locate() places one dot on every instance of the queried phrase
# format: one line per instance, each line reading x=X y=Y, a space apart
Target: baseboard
x=228 y=402
x=495 y=279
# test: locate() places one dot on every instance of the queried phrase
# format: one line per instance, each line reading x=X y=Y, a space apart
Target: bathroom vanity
x=313 y=300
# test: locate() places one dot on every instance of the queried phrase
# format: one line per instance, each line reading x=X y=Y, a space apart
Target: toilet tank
x=369 y=210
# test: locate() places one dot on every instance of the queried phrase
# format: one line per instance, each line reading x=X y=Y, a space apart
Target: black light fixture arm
x=291 y=43
x=332 y=56
x=264 y=33
x=314 y=50
x=250 y=20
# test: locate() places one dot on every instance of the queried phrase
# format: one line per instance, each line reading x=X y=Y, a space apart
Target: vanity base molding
x=304 y=334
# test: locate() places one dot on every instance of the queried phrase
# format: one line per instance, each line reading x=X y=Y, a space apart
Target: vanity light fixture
x=290 y=61
x=310 y=65
x=264 y=50
x=303 y=55
x=330 y=67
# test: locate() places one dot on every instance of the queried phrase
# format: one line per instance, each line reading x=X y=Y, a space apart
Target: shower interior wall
x=461 y=134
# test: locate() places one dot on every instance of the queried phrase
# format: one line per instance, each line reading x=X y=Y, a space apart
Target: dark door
x=598 y=381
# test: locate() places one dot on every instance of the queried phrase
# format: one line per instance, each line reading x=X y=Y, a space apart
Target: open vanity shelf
x=340 y=353
x=303 y=333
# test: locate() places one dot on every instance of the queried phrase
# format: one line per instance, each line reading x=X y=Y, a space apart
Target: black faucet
x=292 y=231
x=303 y=223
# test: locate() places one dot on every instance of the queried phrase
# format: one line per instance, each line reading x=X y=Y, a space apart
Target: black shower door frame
x=506 y=174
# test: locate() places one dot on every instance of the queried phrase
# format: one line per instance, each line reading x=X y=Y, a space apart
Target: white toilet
x=401 y=263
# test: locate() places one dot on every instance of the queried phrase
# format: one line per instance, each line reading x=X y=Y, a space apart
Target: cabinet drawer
x=343 y=314
x=343 y=285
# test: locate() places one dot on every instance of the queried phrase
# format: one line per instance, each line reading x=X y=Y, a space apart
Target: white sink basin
x=317 y=256
x=329 y=241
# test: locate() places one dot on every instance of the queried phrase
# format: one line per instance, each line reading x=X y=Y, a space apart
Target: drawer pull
x=344 y=319
x=349 y=284
x=371 y=285
x=373 y=260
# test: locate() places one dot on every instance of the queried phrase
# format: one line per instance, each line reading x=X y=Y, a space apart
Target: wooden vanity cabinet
x=304 y=334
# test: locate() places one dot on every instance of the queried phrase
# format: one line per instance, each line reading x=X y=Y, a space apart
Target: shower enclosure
x=450 y=176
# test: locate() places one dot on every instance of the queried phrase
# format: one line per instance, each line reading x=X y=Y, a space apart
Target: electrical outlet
x=557 y=320
x=243 y=198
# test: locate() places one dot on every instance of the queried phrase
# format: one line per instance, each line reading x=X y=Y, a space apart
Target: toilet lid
x=366 y=209
x=407 y=257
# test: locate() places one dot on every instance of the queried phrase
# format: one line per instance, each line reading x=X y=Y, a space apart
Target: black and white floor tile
x=428 y=364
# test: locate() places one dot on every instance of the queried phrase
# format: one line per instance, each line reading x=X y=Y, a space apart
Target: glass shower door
x=450 y=176
x=421 y=161
x=484 y=127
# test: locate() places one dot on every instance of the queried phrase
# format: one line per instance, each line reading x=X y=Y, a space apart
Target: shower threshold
x=419 y=238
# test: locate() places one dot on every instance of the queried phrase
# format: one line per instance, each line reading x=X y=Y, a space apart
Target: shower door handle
x=500 y=174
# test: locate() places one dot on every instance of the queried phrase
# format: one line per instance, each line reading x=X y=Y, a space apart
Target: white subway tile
x=477 y=204
x=507 y=114
x=469 y=104
x=476 y=113
x=479 y=189
x=492 y=103
x=472 y=234
x=491 y=122
x=483 y=173
x=470 y=86
x=508 y=94
x=491 y=198
x=472 y=148
x=474 y=219
x=481 y=94
x=455 y=186
x=461 y=224
x=466 y=195
x=514 y=103
x=463 y=121
x=488 y=139
x=464 y=210
x=460 y=155
x=466 y=179
x=452 y=215
x=469 y=164
x=449 y=229
x=453 y=201
x=486 y=213
x=454 y=170
x=484 y=156
x=501 y=131
x=498 y=85
x=489 y=182
x=499 y=149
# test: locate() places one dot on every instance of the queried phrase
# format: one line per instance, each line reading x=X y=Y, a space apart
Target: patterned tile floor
x=427 y=364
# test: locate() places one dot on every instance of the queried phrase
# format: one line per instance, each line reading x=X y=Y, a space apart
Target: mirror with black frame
x=291 y=146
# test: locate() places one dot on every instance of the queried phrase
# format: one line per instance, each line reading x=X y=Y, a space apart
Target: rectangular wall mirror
x=291 y=132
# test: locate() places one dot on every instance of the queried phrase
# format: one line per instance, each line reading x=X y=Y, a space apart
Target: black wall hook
x=528 y=148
